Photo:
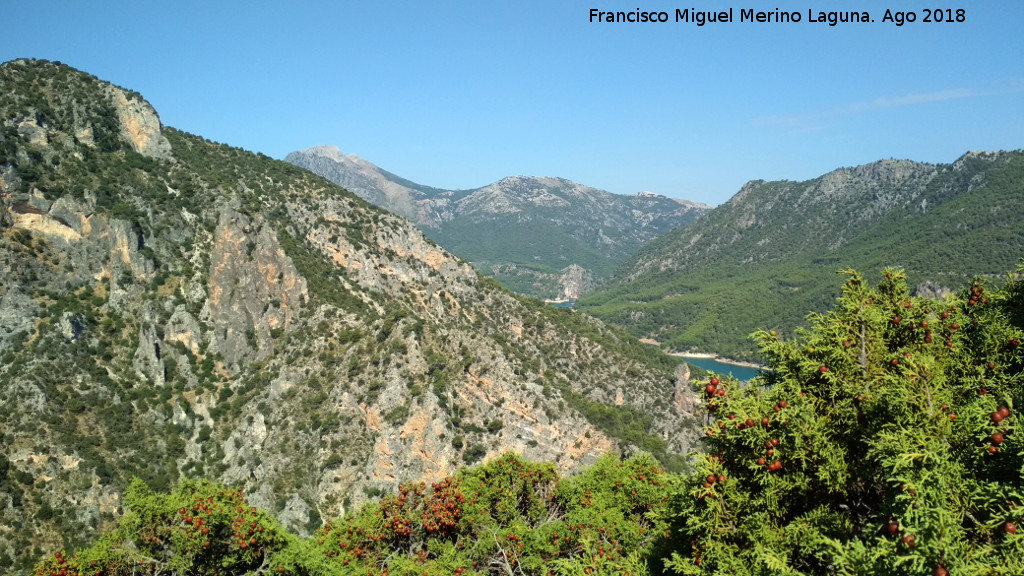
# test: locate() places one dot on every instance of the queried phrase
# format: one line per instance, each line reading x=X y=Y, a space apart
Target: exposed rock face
x=575 y=282
x=523 y=230
x=254 y=289
x=139 y=124
x=227 y=316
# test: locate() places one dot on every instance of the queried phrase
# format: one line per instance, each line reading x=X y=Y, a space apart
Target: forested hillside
x=769 y=255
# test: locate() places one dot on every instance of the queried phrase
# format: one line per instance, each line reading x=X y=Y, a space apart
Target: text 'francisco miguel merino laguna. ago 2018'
x=702 y=17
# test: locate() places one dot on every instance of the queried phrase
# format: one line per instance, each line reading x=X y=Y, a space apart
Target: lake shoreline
x=718 y=358
x=706 y=355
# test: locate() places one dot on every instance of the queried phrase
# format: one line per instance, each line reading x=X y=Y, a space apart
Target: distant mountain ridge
x=526 y=231
x=943 y=223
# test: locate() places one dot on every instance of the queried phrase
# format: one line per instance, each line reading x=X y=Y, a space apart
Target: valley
x=548 y=238
x=214 y=362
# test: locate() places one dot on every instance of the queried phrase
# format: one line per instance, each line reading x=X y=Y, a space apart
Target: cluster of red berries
x=997 y=437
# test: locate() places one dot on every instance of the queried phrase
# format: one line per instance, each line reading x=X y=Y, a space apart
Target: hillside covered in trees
x=767 y=257
x=885 y=440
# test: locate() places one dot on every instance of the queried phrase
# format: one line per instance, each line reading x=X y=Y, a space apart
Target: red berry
x=749 y=423
x=991 y=366
x=760 y=461
x=993 y=450
x=895 y=319
x=996 y=417
x=714 y=381
x=894 y=362
x=846 y=343
x=775 y=441
x=709 y=390
x=822 y=369
x=1010 y=528
x=997 y=438
x=940 y=571
x=909 y=539
x=783 y=404
x=711 y=478
x=721 y=479
x=945 y=315
x=1003 y=411
x=765 y=422
x=893 y=528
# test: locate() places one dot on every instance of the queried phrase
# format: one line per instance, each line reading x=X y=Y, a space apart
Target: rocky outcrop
x=139 y=123
x=574 y=282
x=254 y=289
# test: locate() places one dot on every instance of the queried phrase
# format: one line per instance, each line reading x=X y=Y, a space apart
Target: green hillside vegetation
x=769 y=256
x=521 y=243
x=885 y=440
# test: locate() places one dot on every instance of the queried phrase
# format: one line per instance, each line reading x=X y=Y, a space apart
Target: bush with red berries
x=886 y=440
x=200 y=528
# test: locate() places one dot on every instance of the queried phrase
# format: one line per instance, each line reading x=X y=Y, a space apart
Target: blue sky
x=460 y=94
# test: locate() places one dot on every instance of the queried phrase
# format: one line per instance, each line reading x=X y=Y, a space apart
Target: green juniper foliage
x=884 y=442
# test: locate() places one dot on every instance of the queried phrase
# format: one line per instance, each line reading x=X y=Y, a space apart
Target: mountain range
x=543 y=237
x=171 y=307
x=769 y=255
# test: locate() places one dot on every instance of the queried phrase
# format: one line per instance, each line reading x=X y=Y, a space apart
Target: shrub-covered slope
x=174 y=307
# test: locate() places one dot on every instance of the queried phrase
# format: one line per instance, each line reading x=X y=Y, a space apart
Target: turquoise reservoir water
x=712 y=365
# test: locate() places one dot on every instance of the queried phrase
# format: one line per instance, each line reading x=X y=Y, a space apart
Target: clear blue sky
x=460 y=94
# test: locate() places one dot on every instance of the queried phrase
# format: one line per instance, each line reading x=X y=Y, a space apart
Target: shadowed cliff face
x=530 y=233
x=170 y=307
